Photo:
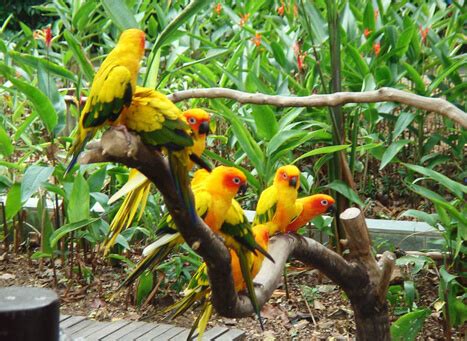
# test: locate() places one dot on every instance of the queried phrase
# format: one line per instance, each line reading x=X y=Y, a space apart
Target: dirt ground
x=327 y=316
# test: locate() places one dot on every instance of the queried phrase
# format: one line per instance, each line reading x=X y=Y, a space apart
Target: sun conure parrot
x=276 y=205
x=111 y=91
x=213 y=199
x=308 y=208
x=138 y=186
x=198 y=289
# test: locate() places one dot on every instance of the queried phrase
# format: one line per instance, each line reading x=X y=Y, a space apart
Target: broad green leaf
x=120 y=14
x=342 y=188
x=417 y=263
x=404 y=41
x=361 y=64
x=415 y=77
x=45 y=63
x=265 y=120
x=39 y=254
x=322 y=150
x=281 y=138
x=420 y=215
x=67 y=228
x=410 y=292
x=45 y=225
x=403 y=121
x=78 y=52
x=279 y=55
x=455 y=187
x=39 y=100
x=13 y=201
x=33 y=178
x=78 y=205
x=145 y=283
x=6 y=148
x=391 y=152
x=369 y=17
x=407 y=327
x=189 y=11
x=445 y=276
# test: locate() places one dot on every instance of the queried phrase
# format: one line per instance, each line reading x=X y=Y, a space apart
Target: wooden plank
x=124 y=331
x=232 y=335
x=64 y=317
x=91 y=329
x=79 y=326
x=71 y=321
x=139 y=331
x=183 y=336
x=111 y=328
x=215 y=332
x=169 y=334
x=161 y=328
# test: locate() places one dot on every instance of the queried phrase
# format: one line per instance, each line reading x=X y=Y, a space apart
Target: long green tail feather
x=245 y=268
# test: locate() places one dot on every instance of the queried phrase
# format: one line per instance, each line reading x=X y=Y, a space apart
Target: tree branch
x=437 y=105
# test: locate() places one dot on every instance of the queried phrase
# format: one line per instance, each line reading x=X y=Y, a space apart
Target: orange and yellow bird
x=111 y=91
x=198 y=288
x=137 y=188
x=308 y=208
x=276 y=205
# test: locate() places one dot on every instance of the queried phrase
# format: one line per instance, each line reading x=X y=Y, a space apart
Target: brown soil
x=328 y=314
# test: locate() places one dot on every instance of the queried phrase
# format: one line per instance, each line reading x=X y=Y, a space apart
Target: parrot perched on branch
x=213 y=198
x=138 y=186
x=198 y=289
x=308 y=208
x=111 y=91
x=276 y=204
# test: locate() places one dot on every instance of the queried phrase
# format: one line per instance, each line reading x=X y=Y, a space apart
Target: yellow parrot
x=138 y=186
x=308 y=208
x=276 y=205
x=198 y=288
x=111 y=91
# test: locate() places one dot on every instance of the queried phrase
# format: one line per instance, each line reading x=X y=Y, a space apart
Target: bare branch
x=437 y=105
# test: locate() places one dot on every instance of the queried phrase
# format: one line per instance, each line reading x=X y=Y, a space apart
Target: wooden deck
x=79 y=328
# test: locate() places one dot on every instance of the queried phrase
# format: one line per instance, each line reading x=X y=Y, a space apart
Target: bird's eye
x=192 y=120
x=324 y=202
x=284 y=175
x=236 y=181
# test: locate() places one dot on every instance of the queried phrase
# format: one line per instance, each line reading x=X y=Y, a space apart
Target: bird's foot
x=130 y=139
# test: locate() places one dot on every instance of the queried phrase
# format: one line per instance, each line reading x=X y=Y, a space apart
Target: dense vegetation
x=396 y=154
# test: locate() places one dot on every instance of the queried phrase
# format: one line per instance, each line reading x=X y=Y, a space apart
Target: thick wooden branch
x=429 y=104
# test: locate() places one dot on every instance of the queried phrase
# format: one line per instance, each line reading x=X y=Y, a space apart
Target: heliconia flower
x=296 y=48
x=376 y=14
x=281 y=10
x=218 y=8
x=45 y=35
x=257 y=39
x=300 y=61
x=424 y=33
x=244 y=19
x=366 y=32
x=377 y=48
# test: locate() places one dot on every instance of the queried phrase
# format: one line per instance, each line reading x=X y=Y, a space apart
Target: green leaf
x=403 y=121
x=282 y=137
x=455 y=187
x=369 y=17
x=421 y=216
x=33 y=178
x=361 y=64
x=445 y=74
x=45 y=225
x=265 y=120
x=407 y=327
x=67 y=228
x=6 y=147
x=391 y=152
x=78 y=205
x=45 y=63
x=189 y=11
x=145 y=284
x=404 y=41
x=78 y=52
x=120 y=14
x=342 y=188
x=322 y=150
x=415 y=77
x=38 y=99
x=279 y=55
x=13 y=201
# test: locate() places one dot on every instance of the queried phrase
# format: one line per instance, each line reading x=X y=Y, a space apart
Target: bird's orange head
x=288 y=175
x=319 y=204
x=229 y=179
x=198 y=120
x=133 y=37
